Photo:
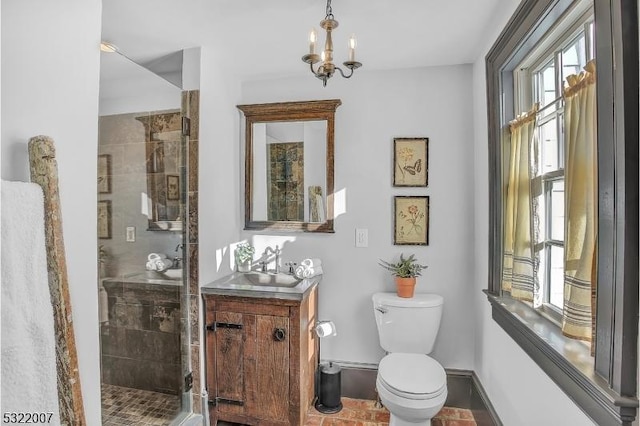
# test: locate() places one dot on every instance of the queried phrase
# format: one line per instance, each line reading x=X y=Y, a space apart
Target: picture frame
x=411 y=220
x=173 y=187
x=104 y=219
x=411 y=162
x=104 y=174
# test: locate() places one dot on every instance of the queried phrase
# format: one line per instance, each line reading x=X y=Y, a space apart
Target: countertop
x=236 y=284
x=142 y=278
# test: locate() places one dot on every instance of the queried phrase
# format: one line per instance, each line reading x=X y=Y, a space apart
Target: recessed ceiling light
x=108 y=47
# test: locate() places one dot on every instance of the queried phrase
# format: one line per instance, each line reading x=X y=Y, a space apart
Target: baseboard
x=482 y=409
x=464 y=389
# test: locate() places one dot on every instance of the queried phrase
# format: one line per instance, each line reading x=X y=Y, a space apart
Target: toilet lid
x=414 y=376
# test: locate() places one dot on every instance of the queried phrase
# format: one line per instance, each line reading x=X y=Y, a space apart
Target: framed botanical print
x=104 y=174
x=104 y=219
x=410 y=162
x=411 y=220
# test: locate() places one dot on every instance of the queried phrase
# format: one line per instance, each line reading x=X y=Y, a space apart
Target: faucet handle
x=263 y=266
x=292 y=267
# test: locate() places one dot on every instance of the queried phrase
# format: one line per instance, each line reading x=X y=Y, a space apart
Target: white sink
x=271 y=279
x=173 y=274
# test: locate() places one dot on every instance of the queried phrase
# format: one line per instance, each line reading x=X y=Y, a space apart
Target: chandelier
x=327 y=68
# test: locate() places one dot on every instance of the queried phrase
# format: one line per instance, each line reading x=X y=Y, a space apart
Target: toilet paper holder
x=325 y=329
x=328 y=376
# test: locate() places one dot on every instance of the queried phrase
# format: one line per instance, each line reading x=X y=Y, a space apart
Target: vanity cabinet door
x=261 y=356
x=229 y=366
x=251 y=365
x=271 y=379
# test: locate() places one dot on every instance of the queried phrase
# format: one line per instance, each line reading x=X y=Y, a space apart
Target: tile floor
x=134 y=407
x=360 y=412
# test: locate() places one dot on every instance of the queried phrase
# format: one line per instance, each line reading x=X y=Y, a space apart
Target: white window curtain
x=518 y=261
x=578 y=319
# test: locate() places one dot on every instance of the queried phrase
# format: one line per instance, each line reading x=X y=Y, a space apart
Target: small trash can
x=328 y=388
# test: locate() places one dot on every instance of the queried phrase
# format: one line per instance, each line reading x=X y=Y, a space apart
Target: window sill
x=566 y=361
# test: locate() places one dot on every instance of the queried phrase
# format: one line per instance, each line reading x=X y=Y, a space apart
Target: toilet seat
x=412 y=376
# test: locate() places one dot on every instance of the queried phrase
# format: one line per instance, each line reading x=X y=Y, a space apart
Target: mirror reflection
x=289 y=171
x=163 y=133
x=289 y=151
x=141 y=133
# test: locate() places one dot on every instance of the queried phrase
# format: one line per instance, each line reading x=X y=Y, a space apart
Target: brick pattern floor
x=133 y=407
x=359 y=412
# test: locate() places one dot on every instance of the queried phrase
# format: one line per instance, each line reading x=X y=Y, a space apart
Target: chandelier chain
x=329 y=10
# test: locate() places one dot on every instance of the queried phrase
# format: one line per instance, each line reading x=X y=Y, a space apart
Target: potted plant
x=405 y=271
x=244 y=256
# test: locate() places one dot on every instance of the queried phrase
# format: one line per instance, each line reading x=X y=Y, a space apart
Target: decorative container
x=405 y=286
x=243 y=266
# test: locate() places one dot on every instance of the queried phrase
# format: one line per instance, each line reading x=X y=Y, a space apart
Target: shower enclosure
x=142 y=229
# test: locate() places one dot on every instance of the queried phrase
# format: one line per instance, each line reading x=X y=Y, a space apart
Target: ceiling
x=260 y=39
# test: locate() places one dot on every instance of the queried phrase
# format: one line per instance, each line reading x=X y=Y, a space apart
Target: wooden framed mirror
x=289 y=167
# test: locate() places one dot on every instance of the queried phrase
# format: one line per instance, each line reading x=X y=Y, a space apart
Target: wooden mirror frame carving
x=287 y=112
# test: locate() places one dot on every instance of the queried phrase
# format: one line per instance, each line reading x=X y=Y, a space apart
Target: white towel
x=156 y=256
x=158 y=264
x=312 y=263
x=29 y=380
x=304 y=271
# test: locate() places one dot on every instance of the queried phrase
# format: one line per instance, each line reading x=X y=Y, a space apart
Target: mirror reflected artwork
x=290 y=185
x=163 y=133
x=285 y=181
x=289 y=152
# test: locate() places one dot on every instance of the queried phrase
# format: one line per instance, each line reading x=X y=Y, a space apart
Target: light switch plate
x=362 y=237
x=131 y=234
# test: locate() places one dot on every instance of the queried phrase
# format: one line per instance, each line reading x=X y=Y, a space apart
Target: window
x=604 y=386
x=544 y=78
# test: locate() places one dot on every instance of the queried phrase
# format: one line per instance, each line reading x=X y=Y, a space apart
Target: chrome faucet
x=265 y=255
x=178 y=259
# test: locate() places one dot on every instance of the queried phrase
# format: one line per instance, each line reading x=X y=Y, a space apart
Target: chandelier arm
x=314 y=71
x=342 y=72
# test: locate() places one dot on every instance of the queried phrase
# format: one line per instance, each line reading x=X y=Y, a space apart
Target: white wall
x=126 y=87
x=376 y=107
x=519 y=390
x=220 y=220
x=50 y=67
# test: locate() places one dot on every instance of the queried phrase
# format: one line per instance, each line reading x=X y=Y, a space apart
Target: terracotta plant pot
x=405 y=286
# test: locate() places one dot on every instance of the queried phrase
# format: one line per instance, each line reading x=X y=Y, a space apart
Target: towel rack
x=44 y=172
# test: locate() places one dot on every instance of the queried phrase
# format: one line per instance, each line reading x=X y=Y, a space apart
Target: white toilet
x=410 y=384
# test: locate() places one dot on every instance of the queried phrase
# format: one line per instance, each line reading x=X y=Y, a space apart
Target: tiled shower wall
x=141 y=342
x=191 y=109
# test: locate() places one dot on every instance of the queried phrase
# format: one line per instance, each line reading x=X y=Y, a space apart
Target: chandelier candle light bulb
x=312 y=41
x=352 y=48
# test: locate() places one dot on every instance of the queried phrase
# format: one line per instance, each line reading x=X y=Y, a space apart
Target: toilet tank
x=408 y=325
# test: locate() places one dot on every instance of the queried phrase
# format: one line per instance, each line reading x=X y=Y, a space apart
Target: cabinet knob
x=279 y=334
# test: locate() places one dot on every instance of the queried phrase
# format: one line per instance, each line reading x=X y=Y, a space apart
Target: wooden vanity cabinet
x=261 y=356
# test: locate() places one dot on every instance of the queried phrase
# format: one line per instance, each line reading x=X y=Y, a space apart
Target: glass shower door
x=144 y=296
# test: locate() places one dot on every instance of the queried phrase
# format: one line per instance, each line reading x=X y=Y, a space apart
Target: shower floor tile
x=133 y=407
